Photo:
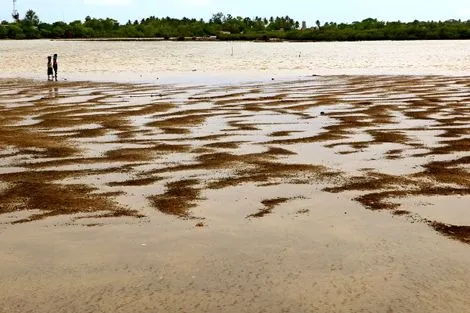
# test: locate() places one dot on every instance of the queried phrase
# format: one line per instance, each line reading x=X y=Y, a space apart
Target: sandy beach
x=323 y=194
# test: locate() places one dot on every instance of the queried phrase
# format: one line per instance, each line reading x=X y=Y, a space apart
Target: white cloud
x=108 y=3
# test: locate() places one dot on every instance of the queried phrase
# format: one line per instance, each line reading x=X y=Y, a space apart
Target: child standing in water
x=55 y=65
x=50 y=73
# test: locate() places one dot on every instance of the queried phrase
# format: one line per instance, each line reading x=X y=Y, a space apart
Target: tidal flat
x=327 y=193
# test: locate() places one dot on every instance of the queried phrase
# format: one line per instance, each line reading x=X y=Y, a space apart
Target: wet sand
x=338 y=193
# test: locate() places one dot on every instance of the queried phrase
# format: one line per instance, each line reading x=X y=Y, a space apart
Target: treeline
x=227 y=27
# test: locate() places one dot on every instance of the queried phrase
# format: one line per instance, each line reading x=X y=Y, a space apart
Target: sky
x=301 y=10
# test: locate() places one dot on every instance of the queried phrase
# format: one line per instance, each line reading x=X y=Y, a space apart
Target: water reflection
x=53 y=92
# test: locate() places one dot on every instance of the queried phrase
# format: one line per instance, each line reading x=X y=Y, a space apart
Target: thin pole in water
x=232 y=50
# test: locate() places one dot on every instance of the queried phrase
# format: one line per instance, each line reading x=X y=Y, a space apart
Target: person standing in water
x=55 y=65
x=50 y=73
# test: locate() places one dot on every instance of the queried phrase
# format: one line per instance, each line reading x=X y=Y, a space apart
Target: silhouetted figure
x=55 y=66
x=50 y=72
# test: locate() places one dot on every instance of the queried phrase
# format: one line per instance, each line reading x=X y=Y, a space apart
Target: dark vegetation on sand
x=379 y=140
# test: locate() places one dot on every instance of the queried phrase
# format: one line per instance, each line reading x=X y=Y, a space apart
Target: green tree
x=45 y=30
x=15 y=32
x=239 y=28
x=31 y=18
x=59 y=30
x=3 y=32
x=31 y=32
x=217 y=18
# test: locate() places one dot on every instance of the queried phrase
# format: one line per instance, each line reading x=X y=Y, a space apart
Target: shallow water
x=317 y=252
x=213 y=62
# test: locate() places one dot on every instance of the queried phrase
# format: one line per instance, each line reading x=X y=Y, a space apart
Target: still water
x=231 y=61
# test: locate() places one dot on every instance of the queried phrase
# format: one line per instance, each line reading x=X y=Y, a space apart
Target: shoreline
x=196 y=79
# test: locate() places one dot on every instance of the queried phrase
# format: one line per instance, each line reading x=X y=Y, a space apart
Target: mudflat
x=334 y=193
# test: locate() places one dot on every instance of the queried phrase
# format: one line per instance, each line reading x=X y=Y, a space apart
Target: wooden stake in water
x=232 y=50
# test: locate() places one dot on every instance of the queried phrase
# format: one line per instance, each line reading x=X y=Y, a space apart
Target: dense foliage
x=227 y=27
